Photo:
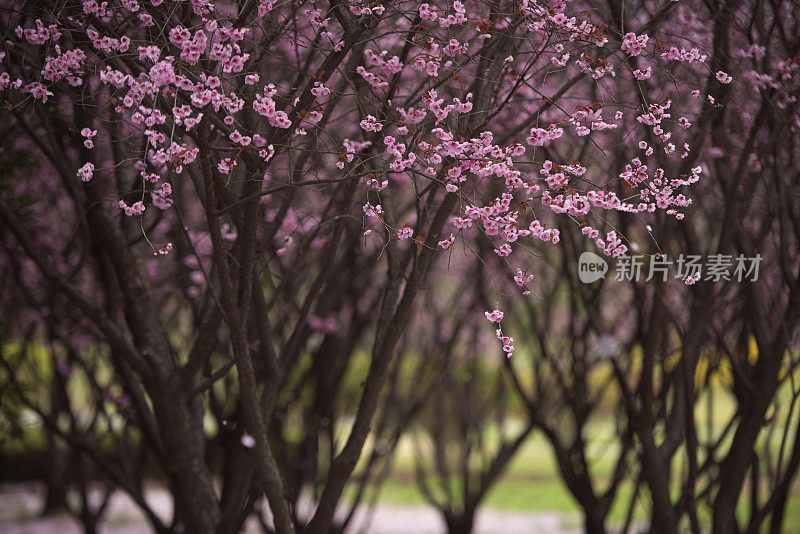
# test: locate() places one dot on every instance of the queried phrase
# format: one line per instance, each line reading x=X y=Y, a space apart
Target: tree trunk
x=56 y=478
x=460 y=524
x=196 y=505
x=593 y=522
x=777 y=516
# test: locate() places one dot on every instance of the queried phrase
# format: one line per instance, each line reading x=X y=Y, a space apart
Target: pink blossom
x=149 y=52
x=426 y=12
x=521 y=278
x=135 y=209
x=320 y=90
x=723 y=77
x=447 y=243
x=645 y=74
x=494 y=316
x=38 y=91
x=633 y=44
x=85 y=173
x=503 y=250
x=371 y=124
x=89 y=136
x=405 y=232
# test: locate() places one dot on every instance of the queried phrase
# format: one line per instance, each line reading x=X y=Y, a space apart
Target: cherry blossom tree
x=226 y=202
x=660 y=352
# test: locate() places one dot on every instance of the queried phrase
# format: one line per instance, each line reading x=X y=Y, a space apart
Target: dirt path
x=20 y=503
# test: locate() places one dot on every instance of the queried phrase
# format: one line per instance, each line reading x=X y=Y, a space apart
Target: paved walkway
x=20 y=503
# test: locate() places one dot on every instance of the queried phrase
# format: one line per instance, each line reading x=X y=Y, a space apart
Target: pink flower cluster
x=265 y=106
x=633 y=44
x=89 y=136
x=137 y=208
x=723 y=77
x=371 y=124
x=540 y=136
x=58 y=67
x=39 y=35
x=686 y=56
x=86 y=172
x=435 y=105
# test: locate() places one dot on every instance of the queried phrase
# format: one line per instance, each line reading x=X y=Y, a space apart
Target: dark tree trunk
x=777 y=516
x=196 y=504
x=56 y=479
x=460 y=524
x=594 y=522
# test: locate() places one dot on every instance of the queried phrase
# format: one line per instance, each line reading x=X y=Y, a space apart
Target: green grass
x=545 y=495
x=531 y=482
x=538 y=489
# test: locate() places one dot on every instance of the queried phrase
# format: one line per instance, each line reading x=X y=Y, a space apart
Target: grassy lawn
x=531 y=482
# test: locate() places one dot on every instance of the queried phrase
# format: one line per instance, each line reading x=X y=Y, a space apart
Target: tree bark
x=195 y=500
